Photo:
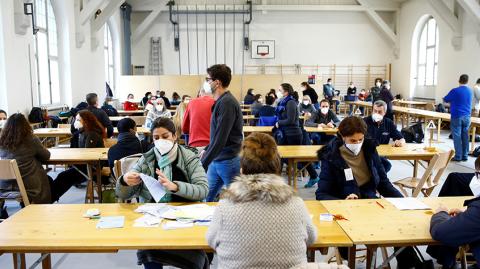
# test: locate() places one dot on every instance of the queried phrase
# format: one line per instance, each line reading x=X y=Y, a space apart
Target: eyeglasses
x=207 y=79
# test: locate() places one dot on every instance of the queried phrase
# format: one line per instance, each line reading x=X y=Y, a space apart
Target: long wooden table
x=92 y=157
x=131 y=112
x=268 y=130
x=60 y=132
x=297 y=154
x=60 y=228
x=371 y=225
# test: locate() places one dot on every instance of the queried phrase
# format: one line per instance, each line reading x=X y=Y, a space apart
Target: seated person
x=249 y=97
x=175 y=99
x=267 y=110
x=3 y=118
x=157 y=110
x=325 y=118
x=127 y=142
x=306 y=107
x=383 y=129
x=179 y=170
x=108 y=107
x=454 y=228
x=130 y=104
x=18 y=142
x=257 y=104
x=269 y=200
x=343 y=174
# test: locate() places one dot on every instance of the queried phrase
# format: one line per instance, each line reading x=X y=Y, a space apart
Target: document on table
x=155 y=188
x=408 y=203
x=172 y=225
x=111 y=222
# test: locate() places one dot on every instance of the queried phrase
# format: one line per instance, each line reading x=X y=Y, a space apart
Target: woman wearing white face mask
x=257 y=104
x=180 y=172
x=306 y=107
x=158 y=110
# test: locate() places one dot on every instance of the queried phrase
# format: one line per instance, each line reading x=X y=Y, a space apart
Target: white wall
x=81 y=69
x=300 y=37
x=451 y=63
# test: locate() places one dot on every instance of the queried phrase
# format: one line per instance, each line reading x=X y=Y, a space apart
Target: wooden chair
x=425 y=184
x=8 y=171
x=139 y=120
x=124 y=165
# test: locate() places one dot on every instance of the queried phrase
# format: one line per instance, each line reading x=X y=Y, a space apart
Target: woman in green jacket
x=180 y=172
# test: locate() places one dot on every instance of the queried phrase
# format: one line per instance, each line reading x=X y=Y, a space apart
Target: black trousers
x=457 y=184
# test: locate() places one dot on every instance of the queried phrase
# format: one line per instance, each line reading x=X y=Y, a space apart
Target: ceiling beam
x=107 y=12
x=147 y=22
x=452 y=21
x=472 y=7
x=373 y=15
x=89 y=10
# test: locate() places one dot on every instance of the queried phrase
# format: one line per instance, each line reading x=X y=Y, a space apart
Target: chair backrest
x=267 y=121
x=63 y=126
x=8 y=171
x=125 y=164
x=438 y=164
x=430 y=107
x=109 y=142
x=139 y=120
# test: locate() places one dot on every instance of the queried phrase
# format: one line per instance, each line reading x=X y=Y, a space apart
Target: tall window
x=46 y=54
x=427 y=62
x=108 y=52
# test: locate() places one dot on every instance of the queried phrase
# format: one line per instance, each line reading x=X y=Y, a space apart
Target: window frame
x=45 y=30
x=109 y=54
x=425 y=30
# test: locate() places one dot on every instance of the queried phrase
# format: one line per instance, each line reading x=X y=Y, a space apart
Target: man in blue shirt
x=383 y=129
x=460 y=100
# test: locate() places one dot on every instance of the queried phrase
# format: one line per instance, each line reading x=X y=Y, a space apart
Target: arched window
x=46 y=54
x=108 y=52
x=427 y=60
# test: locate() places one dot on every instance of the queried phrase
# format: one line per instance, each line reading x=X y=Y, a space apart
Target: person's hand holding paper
x=132 y=178
x=166 y=183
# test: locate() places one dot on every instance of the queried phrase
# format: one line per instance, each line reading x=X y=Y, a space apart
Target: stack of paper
x=153 y=209
x=147 y=221
x=408 y=203
x=111 y=222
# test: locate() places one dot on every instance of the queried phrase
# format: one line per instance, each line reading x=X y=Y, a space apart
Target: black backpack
x=414 y=133
x=476 y=152
x=36 y=115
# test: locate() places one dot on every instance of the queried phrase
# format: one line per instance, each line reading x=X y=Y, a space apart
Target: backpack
x=414 y=133
x=36 y=115
x=440 y=108
x=476 y=152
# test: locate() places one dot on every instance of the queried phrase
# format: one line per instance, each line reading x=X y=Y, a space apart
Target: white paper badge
x=348 y=174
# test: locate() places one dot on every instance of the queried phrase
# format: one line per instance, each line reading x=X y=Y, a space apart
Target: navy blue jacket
x=226 y=130
x=333 y=185
x=127 y=144
x=384 y=132
x=266 y=111
x=459 y=230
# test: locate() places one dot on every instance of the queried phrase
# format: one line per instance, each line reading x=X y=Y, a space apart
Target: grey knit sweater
x=260 y=234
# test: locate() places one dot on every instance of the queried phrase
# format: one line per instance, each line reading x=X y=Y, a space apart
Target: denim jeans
x=459 y=127
x=221 y=173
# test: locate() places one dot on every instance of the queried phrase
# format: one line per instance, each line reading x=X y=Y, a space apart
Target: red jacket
x=130 y=106
x=196 y=121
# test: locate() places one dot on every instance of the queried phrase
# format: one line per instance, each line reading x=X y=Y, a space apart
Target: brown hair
x=221 y=72
x=352 y=125
x=477 y=164
x=259 y=155
x=91 y=123
x=15 y=131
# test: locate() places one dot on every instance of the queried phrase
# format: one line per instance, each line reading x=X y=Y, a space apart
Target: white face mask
x=354 y=148
x=352 y=86
x=207 y=88
x=378 y=84
x=260 y=100
x=159 y=107
x=377 y=117
x=77 y=124
x=387 y=87
x=186 y=101
x=475 y=186
x=2 y=123
x=306 y=103
x=110 y=103
x=149 y=107
x=324 y=110
x=163 y=146
x=279 y=94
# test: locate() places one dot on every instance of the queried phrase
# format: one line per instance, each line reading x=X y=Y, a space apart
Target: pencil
x=380 y=204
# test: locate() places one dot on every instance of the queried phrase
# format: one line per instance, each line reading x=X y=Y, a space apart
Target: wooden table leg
x=47 y=262
x=99 y=181
x=352 y=252
x=19 y=261
x=289 y=171
x=89 y=198
x=439 y=128
x=474 y=131
x=371 y=257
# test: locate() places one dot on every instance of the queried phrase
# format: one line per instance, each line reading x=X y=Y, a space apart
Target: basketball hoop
x=263 y=54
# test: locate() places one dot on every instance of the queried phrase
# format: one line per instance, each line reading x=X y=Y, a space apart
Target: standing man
x=196 y=121
x=329 y=93
x=226 y=131
x=102 y=117
x=460 y=100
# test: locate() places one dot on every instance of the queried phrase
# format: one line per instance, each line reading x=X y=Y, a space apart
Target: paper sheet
x=111 y=222
x=147 y=221
x=154 y=187
x=171 y=225
x=408 y=203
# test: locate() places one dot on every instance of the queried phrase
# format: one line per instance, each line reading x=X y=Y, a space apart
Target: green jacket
x=196 y=189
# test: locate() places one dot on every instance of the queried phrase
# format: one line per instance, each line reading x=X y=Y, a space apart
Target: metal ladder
x=155 y=61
